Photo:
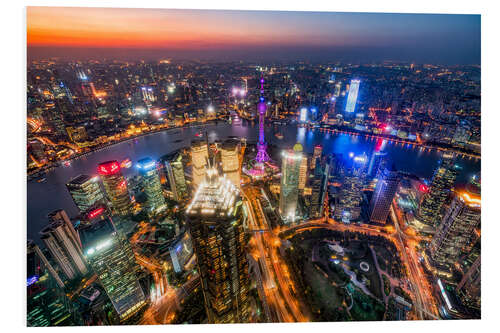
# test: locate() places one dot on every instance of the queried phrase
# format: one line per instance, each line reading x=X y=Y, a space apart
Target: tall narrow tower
x=262 y=155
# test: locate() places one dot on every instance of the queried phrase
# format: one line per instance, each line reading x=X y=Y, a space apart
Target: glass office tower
x=215 y=220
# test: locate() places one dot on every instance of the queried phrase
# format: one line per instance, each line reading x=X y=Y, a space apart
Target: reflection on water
x=52 y=194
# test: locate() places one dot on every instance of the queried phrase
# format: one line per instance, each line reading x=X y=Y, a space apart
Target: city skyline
x=224 y=35
x=172 y=191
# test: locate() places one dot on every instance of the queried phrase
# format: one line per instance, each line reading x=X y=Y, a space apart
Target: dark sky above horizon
x=131 y=34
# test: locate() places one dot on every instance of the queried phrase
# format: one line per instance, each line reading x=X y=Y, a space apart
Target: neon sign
x=423 y=188
x=109 y=168
x=31 y=280
x=95 y=213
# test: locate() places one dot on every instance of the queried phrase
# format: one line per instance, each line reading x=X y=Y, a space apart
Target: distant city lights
x=303 y=114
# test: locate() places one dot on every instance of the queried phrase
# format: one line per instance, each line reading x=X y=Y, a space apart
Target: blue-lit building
x=352 y=97
x=151 y=184
x=377 y=163
x=383 y=195
x=47 y=304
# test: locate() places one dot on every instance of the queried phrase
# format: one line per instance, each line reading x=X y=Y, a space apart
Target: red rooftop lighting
x=423 y=188
x=108 y=168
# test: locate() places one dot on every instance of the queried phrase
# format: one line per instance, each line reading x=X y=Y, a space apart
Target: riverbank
x=40 y=172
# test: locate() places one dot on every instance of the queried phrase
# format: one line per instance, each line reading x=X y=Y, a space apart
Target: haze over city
x=131 y=34
x=188 y=166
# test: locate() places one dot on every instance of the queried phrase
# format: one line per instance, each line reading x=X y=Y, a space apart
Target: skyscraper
x=215 y=220
x=230 y=160
x=64 y=245
x=303 y=172
x=175 y=174
x=383 y=195
x=442 y=182
x=457 y=227
x=155 y=200
x=469 y=287
x=289 y=187
x=318 y=150
x=112 y=259
x=338 y=85
x=262 y=155
x=115 y=186
x=199 y=157
x=36 y=259
x=353 y=96
x=377 y=163
x=47 y=304
x=85 y=191
x=352 y=176
x=319 y=186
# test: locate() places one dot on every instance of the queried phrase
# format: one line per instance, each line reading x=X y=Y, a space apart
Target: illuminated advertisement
x=353 y=96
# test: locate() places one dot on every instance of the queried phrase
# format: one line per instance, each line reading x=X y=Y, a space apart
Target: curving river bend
x=52 y=194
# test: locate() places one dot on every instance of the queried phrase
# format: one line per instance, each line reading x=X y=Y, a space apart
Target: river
x=52 y=194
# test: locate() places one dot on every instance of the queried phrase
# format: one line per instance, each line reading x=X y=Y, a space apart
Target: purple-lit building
x=262 y=155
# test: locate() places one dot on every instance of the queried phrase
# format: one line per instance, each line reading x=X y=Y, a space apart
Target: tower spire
x=262 y=155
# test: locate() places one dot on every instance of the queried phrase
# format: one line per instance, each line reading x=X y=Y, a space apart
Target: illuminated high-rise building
x=319 y=185
x=63 y=243
x=318 y=150
x=353 y=96
x=47 y=304
x=175 y=173
x=85 y=191
x=338 y=85
x=303 y=115
x=457 y=227
x=377 y=163
x=148 y=95
x=111 y=257
x=155 y=200
x=115 y=186
x=199 y=158
x=303 y=172
x=348 y=205
x=289 y=187
x=442 y=182
x=469 y=287
x=215 y=219
x=37 y=261
x=383 y=195
x=229 y=151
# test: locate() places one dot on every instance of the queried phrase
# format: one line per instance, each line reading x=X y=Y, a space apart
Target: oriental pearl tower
x=262 y=155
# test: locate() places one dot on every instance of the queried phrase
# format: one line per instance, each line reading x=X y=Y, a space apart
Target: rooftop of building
x=96 y=232
x=215 y=196
x=54 y=224
x=79 y=180
x=230 y=144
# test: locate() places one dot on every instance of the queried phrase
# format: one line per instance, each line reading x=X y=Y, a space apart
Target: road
x=163 y=309
x=426 y=304
x=276 y=282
